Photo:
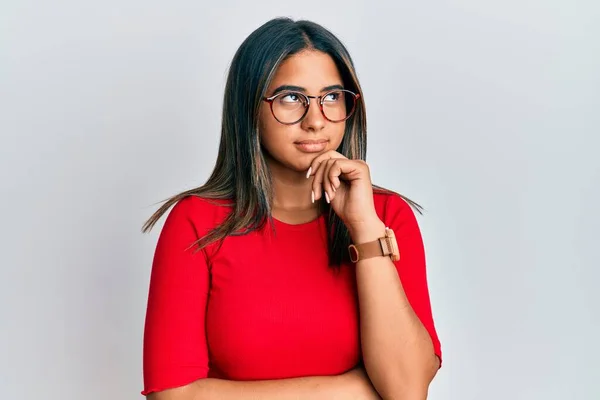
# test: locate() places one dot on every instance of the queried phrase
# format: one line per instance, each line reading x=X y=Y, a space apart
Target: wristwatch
x=382 y=247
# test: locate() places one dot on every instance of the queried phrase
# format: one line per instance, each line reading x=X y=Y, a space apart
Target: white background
x=487 y=113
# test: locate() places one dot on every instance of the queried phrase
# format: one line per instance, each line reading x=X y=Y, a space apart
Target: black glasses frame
x=306 y=97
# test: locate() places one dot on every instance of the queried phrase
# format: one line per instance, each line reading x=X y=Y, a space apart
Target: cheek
x=272 y=133
x=338 y=136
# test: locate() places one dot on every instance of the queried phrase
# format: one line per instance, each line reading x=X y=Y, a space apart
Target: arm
x=398 y=338
x=175 y=347
x=352 y=385
x=398 y=350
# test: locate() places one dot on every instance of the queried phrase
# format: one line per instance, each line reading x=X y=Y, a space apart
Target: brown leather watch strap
x=384 y=246
x=366 y=250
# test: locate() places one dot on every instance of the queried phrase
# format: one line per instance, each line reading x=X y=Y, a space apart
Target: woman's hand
x=346 y=185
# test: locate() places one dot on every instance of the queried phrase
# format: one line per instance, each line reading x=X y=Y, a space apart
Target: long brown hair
x=241 y=174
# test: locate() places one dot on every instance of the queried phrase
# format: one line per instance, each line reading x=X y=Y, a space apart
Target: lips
x=319 y=141
x=311 y=146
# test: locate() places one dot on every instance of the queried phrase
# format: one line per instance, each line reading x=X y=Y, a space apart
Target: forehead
x=312 y=70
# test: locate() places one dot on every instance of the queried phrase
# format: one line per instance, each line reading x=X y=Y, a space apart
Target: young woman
x=289 y=275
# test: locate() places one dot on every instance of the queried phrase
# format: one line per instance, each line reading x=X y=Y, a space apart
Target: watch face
x=353 y=253
x=391 y=236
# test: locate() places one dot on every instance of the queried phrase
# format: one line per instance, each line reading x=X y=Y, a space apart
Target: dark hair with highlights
x=241 y=174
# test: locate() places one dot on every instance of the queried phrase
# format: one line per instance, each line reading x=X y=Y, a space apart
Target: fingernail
x=326 y=197
x=308 y=173
x=333 y=187
x=312 y=195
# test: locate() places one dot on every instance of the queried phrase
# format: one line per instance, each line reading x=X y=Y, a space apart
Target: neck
x=291 y=189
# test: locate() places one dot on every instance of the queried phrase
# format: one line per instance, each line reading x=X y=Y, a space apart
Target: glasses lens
x=338 y=105
x=289 y=107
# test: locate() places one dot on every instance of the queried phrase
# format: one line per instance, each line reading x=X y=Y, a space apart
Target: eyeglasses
x=291 y=107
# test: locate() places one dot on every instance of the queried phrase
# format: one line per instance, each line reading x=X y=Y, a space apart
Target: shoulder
x=395 y=210
x=202 y=213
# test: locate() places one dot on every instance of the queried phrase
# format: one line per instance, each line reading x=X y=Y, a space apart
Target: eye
x=290 y=98
x=332 y=97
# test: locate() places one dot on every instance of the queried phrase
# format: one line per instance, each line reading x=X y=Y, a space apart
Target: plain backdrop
x=485 y=112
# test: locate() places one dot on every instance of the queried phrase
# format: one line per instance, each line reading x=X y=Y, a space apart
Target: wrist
x=367 y=231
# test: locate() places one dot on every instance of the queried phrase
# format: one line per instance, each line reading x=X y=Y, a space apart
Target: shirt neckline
x=298 y=227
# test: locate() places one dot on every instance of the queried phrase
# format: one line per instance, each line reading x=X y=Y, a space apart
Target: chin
x=293 y=163
x=300 y=167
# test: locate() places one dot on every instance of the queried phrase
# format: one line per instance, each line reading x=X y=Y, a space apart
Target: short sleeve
x=175 y=350
x=411 y=267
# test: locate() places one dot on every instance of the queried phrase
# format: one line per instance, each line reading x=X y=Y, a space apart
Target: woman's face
x=295 y=146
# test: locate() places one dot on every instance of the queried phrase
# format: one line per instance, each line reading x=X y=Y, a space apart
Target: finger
x=349 y=170
x=334 y=178
x=314 y=166
x=316 y=171
x=327 y=186
x=317 y=183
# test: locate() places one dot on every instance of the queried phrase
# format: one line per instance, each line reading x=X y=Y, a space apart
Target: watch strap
x=384 y=246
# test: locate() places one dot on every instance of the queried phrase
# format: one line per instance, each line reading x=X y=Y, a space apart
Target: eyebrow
x=293 y=88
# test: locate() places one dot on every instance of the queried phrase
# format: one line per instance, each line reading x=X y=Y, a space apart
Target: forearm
x=397 y=349
x=317 y=388
x=351 y=385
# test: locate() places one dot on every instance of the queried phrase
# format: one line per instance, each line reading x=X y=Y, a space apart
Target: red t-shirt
x=265 y=305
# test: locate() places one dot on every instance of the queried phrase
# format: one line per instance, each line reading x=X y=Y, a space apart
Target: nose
x=314 y=120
